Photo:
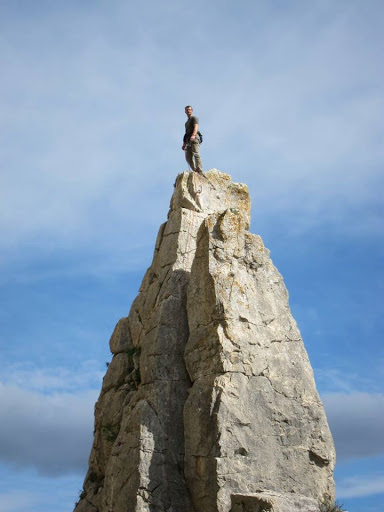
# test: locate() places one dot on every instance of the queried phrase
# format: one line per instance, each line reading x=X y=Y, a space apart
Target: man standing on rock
x=191 y=141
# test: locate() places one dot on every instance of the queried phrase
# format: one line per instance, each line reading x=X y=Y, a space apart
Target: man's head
x=188 y=110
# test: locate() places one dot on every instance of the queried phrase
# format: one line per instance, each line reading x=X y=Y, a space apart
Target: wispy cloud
x=335 y=381
x=356 y=421
x=51 y=433
x=53 y=380
x=360 y=486
x=18 y=501
x=84 y=162
x=25 y=490
x=58 y=405
x=92 y=97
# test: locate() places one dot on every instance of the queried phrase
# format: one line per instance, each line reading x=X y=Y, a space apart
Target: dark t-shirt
x=189 y=125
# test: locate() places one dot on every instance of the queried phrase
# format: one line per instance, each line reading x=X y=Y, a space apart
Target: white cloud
x=360 y=486
x=92 y=115
x=356 y=420
x=51 y=433
x=331 y=379
x=18 y=501
x=27 y=491
x=49 y=426
x=84 y=160
x=50 y=380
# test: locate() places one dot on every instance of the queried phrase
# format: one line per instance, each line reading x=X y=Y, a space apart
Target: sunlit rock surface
x=209 y=399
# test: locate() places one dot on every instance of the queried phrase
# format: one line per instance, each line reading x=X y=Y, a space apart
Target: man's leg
x=188 y=156
x=196 y=160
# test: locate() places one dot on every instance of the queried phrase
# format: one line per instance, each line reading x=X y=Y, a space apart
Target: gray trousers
x=192 y=155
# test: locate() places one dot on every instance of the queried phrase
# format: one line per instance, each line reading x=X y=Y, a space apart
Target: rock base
x=269 y=501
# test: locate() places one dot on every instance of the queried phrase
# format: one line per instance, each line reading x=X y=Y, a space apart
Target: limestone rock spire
x=209 y=403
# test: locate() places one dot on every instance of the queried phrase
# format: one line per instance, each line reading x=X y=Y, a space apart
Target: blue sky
x=291 y=102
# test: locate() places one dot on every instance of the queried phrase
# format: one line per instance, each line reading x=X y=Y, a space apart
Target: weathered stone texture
x=268 y=501
x=210 y=393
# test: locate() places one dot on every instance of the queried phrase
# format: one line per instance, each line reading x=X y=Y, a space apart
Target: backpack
x=201 y=136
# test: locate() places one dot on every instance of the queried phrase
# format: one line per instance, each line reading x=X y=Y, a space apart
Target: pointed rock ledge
x=209 y=403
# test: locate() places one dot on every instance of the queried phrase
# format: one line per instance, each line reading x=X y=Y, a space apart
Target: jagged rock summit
x=209 y=403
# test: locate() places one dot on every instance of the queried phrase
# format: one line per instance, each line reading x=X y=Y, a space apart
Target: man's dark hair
x=188 y=106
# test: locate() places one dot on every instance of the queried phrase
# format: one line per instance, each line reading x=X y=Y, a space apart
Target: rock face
x=272 y=501
x=209 y=403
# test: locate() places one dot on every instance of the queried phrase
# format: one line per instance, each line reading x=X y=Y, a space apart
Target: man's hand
x=192 y=137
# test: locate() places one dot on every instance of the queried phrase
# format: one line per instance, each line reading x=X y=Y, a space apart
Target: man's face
x=189 y=111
